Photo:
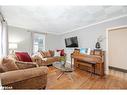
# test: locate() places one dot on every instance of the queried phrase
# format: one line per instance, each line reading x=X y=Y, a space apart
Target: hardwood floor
x=80 y=79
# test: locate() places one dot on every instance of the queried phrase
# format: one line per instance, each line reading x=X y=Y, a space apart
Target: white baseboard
x=106 y=72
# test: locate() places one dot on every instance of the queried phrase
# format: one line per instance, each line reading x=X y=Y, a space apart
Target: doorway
x=117 y=48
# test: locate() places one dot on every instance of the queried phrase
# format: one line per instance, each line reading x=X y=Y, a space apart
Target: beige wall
x=117 y=44
x=53 y=42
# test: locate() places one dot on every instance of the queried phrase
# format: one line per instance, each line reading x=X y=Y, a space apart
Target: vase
x=98 y=45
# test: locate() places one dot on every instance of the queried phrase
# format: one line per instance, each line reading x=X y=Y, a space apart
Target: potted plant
x=63 y=60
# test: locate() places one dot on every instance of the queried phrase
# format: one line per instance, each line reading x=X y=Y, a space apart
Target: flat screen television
x=71 y=42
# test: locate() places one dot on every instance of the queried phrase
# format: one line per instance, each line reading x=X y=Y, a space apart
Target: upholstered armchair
x=18 y=75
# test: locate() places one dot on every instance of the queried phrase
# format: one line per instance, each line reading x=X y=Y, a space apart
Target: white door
x=117 y=46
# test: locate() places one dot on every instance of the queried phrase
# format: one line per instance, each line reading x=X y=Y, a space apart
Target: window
x=0 y=39
x=38 y=42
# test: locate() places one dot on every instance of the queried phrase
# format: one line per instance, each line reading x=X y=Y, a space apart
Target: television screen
x=71 y=42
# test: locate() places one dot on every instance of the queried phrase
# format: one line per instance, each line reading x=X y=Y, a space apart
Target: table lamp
x=13 y=47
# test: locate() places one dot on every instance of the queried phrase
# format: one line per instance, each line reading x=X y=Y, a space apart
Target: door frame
x=107 y=46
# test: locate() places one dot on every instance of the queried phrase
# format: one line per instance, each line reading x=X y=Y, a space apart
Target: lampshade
x=13 y=45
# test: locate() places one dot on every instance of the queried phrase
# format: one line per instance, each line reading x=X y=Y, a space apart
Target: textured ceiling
x=59 y=19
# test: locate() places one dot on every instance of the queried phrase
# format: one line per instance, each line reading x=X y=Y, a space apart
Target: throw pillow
x=57 y=53
x=8 y=65
x=61 y=52
x=42 y=54
x=23 y=56
x=51 y=52
x=48 y=54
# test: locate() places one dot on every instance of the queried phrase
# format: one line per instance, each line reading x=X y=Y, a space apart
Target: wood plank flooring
x=80 y=79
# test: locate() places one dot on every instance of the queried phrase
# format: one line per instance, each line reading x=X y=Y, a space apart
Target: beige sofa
x=18 y=75
x=44 y=58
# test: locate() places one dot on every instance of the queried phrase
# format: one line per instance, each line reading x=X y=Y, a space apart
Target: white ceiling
x=59 y=19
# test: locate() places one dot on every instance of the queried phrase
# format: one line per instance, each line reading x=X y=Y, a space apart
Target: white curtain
x=3 y=39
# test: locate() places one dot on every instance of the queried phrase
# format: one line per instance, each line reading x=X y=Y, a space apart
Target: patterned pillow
x=46 y=54
x=42 y=54
x=57 y=53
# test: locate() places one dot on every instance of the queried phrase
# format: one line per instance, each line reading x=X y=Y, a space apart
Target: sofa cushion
x=23 y=56
x=53 y=59
x=8 y=65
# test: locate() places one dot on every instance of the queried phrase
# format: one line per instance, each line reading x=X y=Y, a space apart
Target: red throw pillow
x=23 y=56
x=61 y=52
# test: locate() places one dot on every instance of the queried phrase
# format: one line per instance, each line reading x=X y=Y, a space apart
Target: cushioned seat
x=53 y=59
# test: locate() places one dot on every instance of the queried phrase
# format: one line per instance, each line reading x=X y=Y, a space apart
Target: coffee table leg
x=60 y=75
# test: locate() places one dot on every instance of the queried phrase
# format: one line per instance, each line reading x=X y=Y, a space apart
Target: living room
x=45 y=34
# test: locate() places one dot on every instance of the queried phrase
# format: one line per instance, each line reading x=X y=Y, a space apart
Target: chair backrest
x=1 y=70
